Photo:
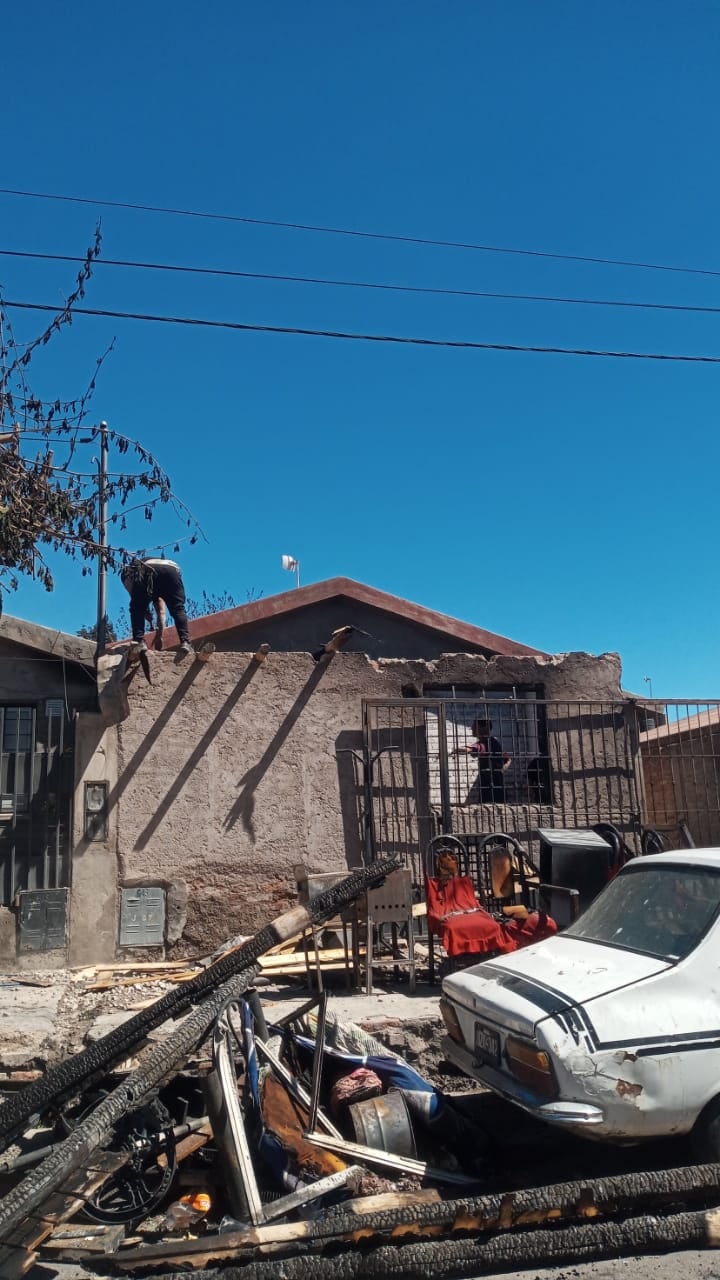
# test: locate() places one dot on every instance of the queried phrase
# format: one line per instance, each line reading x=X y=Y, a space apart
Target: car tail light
x=531 y=1065
x=450 y=1019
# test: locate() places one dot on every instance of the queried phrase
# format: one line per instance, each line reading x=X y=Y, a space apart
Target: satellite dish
x=293 y=566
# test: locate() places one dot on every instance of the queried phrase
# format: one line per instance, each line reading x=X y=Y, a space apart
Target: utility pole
x=102 y=463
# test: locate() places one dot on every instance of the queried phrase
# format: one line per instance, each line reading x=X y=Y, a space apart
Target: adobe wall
x=230 y=773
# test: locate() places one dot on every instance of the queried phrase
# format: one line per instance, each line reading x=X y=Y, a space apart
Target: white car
x=612 y=1028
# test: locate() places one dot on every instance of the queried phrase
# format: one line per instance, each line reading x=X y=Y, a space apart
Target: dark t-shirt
x=490 y=764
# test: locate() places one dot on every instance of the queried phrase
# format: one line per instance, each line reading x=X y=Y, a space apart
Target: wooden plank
x=138 y=980
x=205 y=1250
x=354 y=1151
x=200 y=1251
x=19 y=1252
x=194 y=1142
x=135 y=966
x=75 y=1242
x=392 y=1200
x=326 y=956
x=300 y=970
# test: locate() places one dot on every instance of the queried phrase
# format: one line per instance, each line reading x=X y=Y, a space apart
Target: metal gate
x=36 y=788
x=519 y=762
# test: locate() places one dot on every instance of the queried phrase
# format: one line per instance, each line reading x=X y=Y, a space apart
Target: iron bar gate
x=519 y=763
x=36 y=787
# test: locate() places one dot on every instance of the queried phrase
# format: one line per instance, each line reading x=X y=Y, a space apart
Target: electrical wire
x=228 y=273
x=398 y=339
x=363 y=235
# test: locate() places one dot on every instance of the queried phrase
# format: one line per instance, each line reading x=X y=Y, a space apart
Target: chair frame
x=475 y=862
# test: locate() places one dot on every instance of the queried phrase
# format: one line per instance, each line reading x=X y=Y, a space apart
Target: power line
x=399 y=339
x=358 y=284
x=362 y=235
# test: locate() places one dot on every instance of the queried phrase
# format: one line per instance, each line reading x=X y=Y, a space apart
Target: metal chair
x=651 y=841
x=506 y=881
x=391 y=903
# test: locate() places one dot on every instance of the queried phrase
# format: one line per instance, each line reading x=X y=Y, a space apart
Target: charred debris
x=242 y=1145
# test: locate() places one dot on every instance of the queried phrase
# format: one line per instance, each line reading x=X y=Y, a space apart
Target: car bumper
x=570 y=1115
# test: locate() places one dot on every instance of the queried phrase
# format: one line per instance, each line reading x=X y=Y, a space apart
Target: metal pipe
x=102 y=541
x=34 y=1157
x=318 y=1062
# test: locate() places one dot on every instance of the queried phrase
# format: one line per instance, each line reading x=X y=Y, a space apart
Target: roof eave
x=45 y=640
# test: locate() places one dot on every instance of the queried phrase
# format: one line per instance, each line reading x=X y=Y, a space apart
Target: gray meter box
x=142 y=917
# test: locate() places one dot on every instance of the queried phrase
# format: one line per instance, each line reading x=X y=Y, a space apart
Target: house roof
x=318 y=592
x=47 y=641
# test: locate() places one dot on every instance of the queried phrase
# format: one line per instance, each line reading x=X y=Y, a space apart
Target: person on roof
x=157 y=582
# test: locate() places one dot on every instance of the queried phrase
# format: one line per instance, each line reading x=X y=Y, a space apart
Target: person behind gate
x=492 y=763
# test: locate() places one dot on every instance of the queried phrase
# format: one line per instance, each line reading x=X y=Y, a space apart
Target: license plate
x=487 y=1044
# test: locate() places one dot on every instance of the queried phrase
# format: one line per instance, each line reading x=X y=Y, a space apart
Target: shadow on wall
x=244 y=807
x=153 y=735
x=349 y=756
x=174 y=791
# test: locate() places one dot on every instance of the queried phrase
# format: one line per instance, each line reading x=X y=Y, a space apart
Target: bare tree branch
x=45 y=505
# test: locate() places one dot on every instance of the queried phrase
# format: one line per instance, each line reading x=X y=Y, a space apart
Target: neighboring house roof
x=461 y=633
x=693 y=723
x=47 y=641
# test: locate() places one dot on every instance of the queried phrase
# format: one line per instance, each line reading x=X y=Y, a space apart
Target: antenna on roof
x=292 y=566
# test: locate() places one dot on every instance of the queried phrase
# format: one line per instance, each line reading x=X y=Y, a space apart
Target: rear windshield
x=660 y=910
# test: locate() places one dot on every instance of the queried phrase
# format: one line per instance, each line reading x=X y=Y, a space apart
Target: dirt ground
x=47 y=1016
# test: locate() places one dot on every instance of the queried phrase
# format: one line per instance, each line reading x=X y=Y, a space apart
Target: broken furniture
x=310 y=885
x=389 y=905
x=484 y=897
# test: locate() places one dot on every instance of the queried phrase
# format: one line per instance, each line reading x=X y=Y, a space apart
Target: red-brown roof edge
x=299 y=597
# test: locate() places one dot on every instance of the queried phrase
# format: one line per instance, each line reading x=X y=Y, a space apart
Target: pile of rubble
x=244 y=1145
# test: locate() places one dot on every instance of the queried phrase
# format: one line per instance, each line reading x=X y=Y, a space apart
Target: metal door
x=36 y=787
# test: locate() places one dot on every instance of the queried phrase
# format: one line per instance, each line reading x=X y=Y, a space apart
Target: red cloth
x=455 y=916
x=472 y=931
x=354 y=1087
x=538 y=925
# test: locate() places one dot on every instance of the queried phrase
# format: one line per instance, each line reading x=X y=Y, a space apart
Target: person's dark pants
x=492 y=788
x=165 y=584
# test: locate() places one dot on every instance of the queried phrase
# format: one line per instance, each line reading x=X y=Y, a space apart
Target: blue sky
x=567 y=502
